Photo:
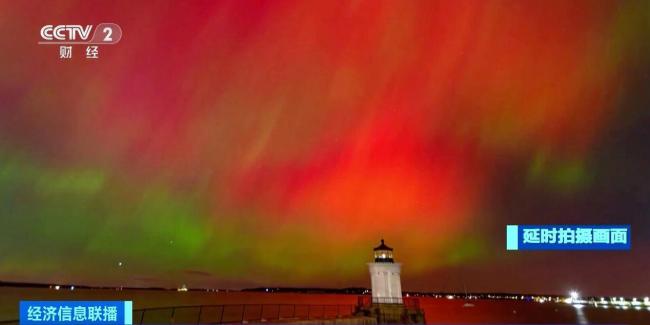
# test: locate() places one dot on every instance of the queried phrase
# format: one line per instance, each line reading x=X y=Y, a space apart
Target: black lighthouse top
x=383 y=253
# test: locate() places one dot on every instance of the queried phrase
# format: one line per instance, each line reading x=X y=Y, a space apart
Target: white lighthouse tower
x=385 y=276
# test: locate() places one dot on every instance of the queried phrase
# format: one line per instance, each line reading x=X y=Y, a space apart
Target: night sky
x=272 y=143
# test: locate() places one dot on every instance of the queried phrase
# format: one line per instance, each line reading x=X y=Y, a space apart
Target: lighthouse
x=385 y=276
x=387 y=305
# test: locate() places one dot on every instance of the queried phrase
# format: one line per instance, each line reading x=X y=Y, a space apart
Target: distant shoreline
x=349 y=290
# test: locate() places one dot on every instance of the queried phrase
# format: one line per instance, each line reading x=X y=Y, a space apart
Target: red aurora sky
x=246 y=143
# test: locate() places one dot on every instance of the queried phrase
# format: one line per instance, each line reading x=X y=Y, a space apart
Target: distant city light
x=574 y=295
x=57 y=287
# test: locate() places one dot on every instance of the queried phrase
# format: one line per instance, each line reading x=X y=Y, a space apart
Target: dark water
x=442 y=311
x=437 y=311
